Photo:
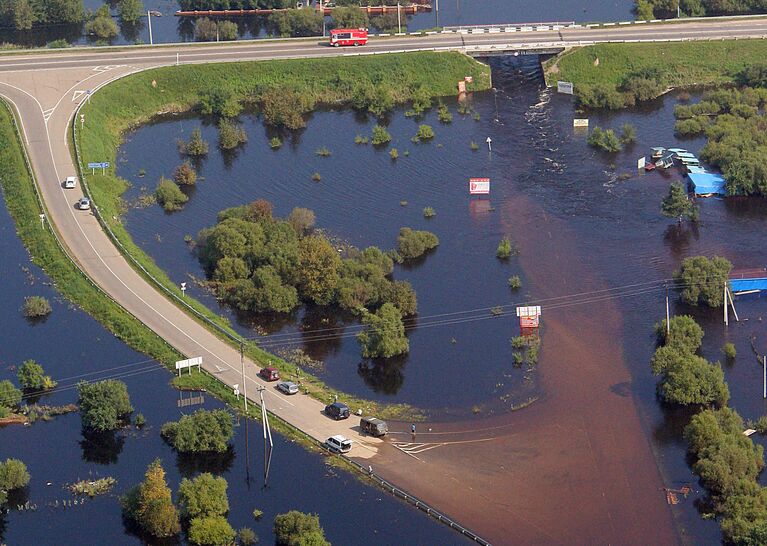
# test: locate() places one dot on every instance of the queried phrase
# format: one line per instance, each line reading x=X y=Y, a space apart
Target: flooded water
x=169 y=28
x=609 y=209
x=73 y=347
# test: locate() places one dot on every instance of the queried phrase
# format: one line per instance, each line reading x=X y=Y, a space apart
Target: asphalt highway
x=46 y=88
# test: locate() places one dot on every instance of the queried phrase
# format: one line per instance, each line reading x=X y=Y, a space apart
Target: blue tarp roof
x=707 y=183
x=743 y=285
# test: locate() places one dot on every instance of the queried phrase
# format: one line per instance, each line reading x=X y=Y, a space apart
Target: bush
x=205 y=30
x=297 y=529
x=102 y=25
x=444 y=114
x=32 y=376
x=185 y=175
x=139 y=420
x=316 y=177
x=196 y=146
x=600 y=96
x=428 y=212
x=10 y=396
x=13 y=475
x=36 y=307
x=425 y=132
x=504 y=249
x=380 y=136
x=275 y=143
x=227 y=30
x=61 y=43
x=683 y=333
x=515 y=283
x=220 y=102
x=104 y=405
x=474 y=146
x=230 y=135
x=169 y=196
x=284 y=108
x=412 y=244
x=359 y=139
x=605 y=140
x=211 y=530
x=384 y=333
x=729 y=351
x=302 y=220
x=628 y=134
x=203 y=496
x=703 y=280
x=323 y=152
x=150 y=505
x=393 y=153
x=247 y=536
x=202 y=431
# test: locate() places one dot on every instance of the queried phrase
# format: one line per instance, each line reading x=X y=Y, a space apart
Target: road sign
x=641 y=162
x=529 y=316
x=188 y=363
x=94 y=165
x=565 y=87
x=580 y=122
x=479 y=186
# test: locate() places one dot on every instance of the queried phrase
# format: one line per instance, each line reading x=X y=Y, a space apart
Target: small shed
x=707 y=184
x=696 y=169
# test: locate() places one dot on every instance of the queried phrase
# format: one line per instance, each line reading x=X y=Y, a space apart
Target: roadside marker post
x=183 y=289
x=42 y=220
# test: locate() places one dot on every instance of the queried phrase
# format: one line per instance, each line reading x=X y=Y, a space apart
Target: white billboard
x=479 y=186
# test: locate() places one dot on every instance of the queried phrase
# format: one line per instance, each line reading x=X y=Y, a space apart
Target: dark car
x=337 y=411
x=269 y=374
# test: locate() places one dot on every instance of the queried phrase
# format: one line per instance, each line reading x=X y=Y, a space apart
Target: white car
x=84 y=203
x=287 y=387
x=338 y=444
x=70 y=183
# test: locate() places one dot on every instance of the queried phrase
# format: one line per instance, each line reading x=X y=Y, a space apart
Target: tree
x=683 y=333
x=13 y=475
x=703 y=280
x=205 y=495
x=504 y=249
x=211 y=530
x=205 y=30
x=318 y=265
x=299 y=529
x=104 y=405
x=676 y=204
x=10 y=396
x=270 y=293
x=185 y=175
x=23 y=15
x=412 y=244
x=32 y=376
x=230 y=269
x=644 y=10
x=227 y=31
x=605 y=140
x=296 y=22
x=350 y=17
x=384 y=333
x=628 y=134
x=260 y=209
x=102 y=25
x=693 y=380
x=302 y=220
x=149 y=504
x=200 y=432
x=196 y=147
x=169 y=195
x=130 y=11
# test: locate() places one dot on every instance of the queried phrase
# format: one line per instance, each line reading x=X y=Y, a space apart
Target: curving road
x=46 y=89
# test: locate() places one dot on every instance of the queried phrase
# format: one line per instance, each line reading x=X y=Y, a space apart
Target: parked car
x=338 y=444
x=84 y=203
x=337 y=411
x=288 y=387
x=70 y=183
x=374 y=426
x=269 y=374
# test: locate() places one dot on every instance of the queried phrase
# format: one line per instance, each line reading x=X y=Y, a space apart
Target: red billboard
x=479 y=186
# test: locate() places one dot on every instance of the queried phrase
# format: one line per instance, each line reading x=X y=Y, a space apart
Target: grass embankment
x=134 y=100
x=682 y=64
x=25 y=208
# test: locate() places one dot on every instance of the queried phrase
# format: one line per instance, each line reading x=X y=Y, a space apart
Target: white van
x=338 y=444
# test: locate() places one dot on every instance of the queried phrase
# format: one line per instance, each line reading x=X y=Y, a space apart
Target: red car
x=269 y=374
x=348 y=37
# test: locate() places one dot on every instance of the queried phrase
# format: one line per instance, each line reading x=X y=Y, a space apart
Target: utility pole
x=399 y=19
x=668 y=317
x=437 y=13
x=244 y=383
x=149 y=21
x=764 y=377
x=726 y=317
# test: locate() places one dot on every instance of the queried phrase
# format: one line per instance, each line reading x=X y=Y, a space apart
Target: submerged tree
x=703 y=280
x=677 y=204
x=384 y=333
x=104 y=405
x=150 y=505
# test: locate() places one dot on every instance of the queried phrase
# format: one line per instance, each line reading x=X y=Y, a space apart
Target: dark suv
x=337 y=411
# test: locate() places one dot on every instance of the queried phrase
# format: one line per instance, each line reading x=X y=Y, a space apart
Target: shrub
x=393 y=153
x=444 y=114
x=323 y=152
x=284 y=108
x=359 y=139
x=515 y=283
x=474 y=146
x=185 y=175
x=102 y=25
x=316 y=177
x=139 y=420
x=275 y=143
x=36 y=307
x=227 y=30
x=628 y=134
x=384 y=333
x=230 y=134
x=412 y=244
x=196 y=146
x=220 y=102
x=104 y=405
x=10 y=396
x=205 y=30
x=247 y=536
x=504 y=249
x=61 y=43
x=425 y=132
x=421 y=100
x=600 y=96
x=169 y=195
x=703 y=280
x=296 y=528
x=729 y=351
x=428 y=212
x=13 y=475
x=32 y=376
x=204 y=495
x=211 y=530
x=605 y=140
x=150 y=505
x=380 y=136
x=201 y=431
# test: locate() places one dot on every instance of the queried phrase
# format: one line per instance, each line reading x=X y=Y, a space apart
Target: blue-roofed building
x=707 y=183
x=696 y=169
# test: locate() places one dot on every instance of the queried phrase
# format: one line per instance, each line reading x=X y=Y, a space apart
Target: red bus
x=348 y=37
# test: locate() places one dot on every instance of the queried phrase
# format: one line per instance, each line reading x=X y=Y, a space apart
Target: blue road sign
x=94 y=165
